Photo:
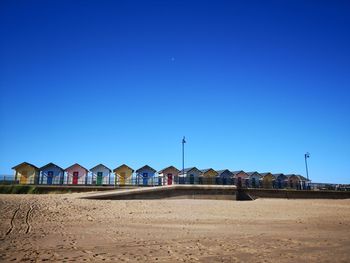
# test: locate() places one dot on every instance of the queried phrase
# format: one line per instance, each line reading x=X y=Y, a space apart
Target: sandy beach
x=64 y=228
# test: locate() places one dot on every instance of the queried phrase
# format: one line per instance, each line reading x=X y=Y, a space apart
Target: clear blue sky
x=252 y=84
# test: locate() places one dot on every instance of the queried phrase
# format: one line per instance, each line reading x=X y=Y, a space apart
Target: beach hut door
x=99 y=178
x=145 y=178
x=23 y=178
x=122 y=178
x=49 y=177
x=279 y=182
x=170 y=179
x=239 y=182
x=75 y=177
x=253 y=182
x=191 y=179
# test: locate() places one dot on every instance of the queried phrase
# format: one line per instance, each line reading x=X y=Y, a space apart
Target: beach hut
x=26 y=173
x=51 y=174
x=225 y=177
x=281 y=181
x=76 y=174
x=297 y=182
x=293 y=181
x=123 y=175
x=267 y=180
x=145 y=176
x=253 y=179
x=101 y=175
x=208 y=176
x=240 y=178
x=305 y=183
x=189 y=176
x=168 y=175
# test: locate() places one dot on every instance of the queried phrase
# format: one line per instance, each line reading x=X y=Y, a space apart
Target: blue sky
x=252 y=85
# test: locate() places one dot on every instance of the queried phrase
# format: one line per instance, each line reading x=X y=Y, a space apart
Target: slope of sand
x=63 y=228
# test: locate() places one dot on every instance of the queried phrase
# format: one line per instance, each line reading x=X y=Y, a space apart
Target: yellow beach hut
x=268 y=180
x=123 y=174
x=26 y=173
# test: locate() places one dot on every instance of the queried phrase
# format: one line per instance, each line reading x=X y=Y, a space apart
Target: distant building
x=26 y=173
x=51 y=174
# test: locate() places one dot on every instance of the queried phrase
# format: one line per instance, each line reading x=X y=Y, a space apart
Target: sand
x=65 y=228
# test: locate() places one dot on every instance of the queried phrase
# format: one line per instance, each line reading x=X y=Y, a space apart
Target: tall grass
x=18 y=189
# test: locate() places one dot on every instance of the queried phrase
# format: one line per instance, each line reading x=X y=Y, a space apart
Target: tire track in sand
x=12 y=225
x=28 y=215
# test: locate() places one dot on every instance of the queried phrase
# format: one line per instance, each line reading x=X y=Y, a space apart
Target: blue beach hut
x=51 y=174
x=145 y=175
x=225 y=177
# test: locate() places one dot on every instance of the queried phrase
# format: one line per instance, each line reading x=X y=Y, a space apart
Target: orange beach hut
x=208 y=176
x=268 y=180
x=123 y=174
x=26 y=173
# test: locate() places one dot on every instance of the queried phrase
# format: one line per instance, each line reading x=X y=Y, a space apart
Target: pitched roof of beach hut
x=209 y=170
x=167 y=168
x=303 y=178
x=300 y=177
x=51 y=164
x=237 y=172
x=220 y=172
x=265 y=174
x=77 y=165
x=123 y=165
x=93 y=168
x=25 y=163
x=186 y=170
x=294 y=176
x=253 y=173
x=146 y=167
x=206 y=170
x=277 y=175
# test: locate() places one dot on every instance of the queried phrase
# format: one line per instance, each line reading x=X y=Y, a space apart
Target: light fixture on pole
x=183 y=155
x=307 y=155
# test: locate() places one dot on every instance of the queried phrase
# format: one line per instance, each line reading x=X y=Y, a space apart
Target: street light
x=183 y=155
x=307 y=155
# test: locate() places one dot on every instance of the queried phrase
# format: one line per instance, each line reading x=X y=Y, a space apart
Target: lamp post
x=307 y=155
x=183 y=155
